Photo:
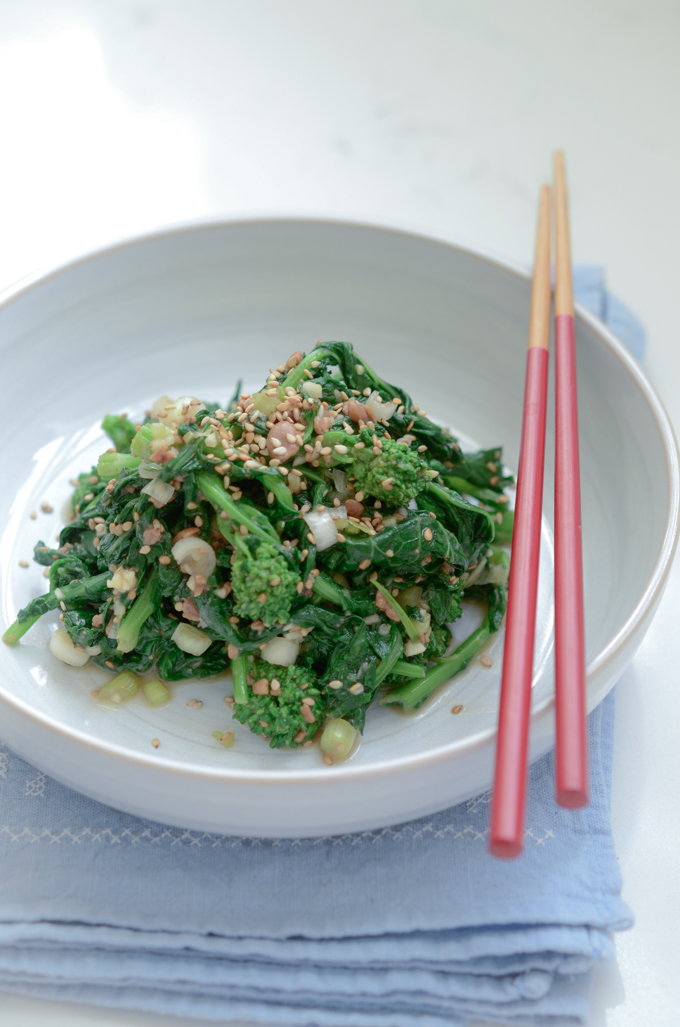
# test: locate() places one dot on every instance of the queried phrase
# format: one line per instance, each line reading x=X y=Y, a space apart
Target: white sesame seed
x=23 y=563
x=357 y=688
x=485 y=661
x=335 y=684
x=340 y=449
x=427 y=534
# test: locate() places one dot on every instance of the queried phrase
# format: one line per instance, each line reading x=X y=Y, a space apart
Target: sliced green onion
x=110 y=465
x=190 y=639
x=239 y=672
x=119 y=689
x=338 y=738
x=156 y=692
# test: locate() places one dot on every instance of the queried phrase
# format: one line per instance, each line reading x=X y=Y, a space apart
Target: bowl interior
x=193 y=310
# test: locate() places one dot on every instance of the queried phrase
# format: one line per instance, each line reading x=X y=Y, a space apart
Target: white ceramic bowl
x=190 y=310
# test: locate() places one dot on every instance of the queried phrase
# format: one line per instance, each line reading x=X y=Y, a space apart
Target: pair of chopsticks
x=571 y=766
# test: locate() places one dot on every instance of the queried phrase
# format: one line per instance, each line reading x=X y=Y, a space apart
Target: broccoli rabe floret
x=275 y=703
x=394 y=477
x=264 y=585
x=120 y=431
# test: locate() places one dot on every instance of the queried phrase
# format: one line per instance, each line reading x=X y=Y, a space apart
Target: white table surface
x=121 y=115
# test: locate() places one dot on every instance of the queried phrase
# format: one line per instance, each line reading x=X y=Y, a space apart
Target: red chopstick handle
x=509 y=790
x=571 y=757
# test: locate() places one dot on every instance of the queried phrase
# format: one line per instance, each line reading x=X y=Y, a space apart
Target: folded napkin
x=409 y=926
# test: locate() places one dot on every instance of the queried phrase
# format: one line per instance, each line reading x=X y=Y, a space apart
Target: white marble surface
x=120 y=115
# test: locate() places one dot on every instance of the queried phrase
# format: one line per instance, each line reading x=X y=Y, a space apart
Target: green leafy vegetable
x=324 y=522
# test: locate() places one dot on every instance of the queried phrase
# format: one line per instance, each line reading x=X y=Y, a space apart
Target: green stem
x=410 y=696
x=273 y=482
x=213 y=490
x=298 y=372
x=331 y=592
x=110 y=465
x=467 y=488
x=140 y=611
x=19 y=628
x=404 y=669
x=389 y=662
x=409 y=626
x=87 y=590
x=233 y=537
x=239 y=672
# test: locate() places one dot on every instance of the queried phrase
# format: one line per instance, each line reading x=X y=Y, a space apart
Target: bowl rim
x=386 y=767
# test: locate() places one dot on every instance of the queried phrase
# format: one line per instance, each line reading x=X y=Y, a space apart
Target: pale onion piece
x=378 y=410
x=414 y=648
x=282 y=652
x=322 y=525
x=176 y=411
x=312 y=389
x=93 y=650
x=161 y=403
x=118 y=608
x=338 y=513
x=194 y=556
x=340 y=481
x=148 y=469
x=161 y=492
x=373 y=618
x=63 y=648
x=266 y=404
x=191 y=640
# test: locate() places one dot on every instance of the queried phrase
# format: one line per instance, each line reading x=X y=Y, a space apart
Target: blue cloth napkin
x=409 y=926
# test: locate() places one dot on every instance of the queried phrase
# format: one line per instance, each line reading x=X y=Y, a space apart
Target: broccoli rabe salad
x=316 y=538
